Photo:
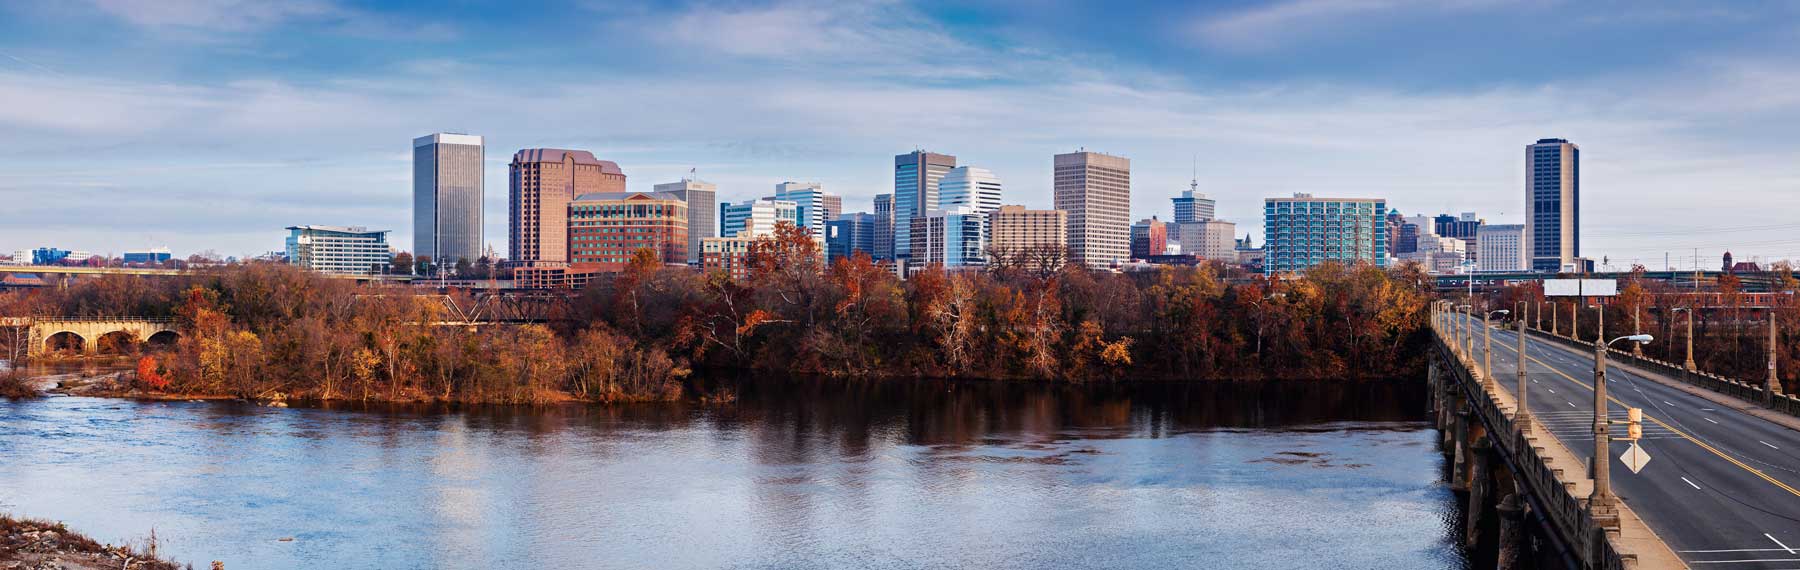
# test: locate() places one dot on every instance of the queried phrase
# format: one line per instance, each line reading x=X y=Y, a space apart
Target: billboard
x=1581 y=287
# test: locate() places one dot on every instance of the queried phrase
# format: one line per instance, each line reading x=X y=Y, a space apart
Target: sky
x=213 y=124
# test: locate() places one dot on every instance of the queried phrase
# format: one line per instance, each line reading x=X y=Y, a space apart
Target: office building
x=1503 y=248
x=50 y=256
x=949 y=238
x=352 y=250
x=606 y=229
x=1209 y=239
x=834 y=207
x=1553 y=203
x=756 y=218
x=812 y=201
x=703 y=211
x=1149 y=236
x=970 y=186
x=149 y=256
x=728 y=254
x=849 y=234
x=884 y=227
x=541 y=183
x=1095 y=189
x=1465 y=227
x=1192 y=206
x=447 y=192
x=916 y=177
x=1014 y=229
x=1304 y=231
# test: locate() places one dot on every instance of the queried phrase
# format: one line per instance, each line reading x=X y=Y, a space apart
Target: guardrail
x=1748 y=392
x=1566 y=513
x=101 y=319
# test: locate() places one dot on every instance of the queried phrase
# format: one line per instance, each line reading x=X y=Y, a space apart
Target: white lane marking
x=1730 y=550
x=1737 y=561
x=1778 y=543
x=1771 y=445
x=1690 y=483
x=1715 y=422
x=1571 y=404
x=1667 y=402
x=1552 y=390
x=1534 y=381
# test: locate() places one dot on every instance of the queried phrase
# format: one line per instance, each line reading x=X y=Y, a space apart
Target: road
x=1722 y=487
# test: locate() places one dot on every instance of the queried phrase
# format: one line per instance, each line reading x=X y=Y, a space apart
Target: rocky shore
x=27 y=544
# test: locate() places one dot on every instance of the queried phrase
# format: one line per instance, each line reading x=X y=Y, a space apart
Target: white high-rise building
x=1209 y=239
x=755 y=218
x=1502 y=248
x=970 y=186
x=702 y=204
x=813 y=201
x=1095 y=189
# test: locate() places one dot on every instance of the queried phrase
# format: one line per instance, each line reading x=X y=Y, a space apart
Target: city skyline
x=1232 y=85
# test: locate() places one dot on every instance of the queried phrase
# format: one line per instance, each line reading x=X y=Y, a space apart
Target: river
x=795 y=474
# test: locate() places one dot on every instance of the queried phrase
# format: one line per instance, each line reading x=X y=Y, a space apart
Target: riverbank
x=28 y=543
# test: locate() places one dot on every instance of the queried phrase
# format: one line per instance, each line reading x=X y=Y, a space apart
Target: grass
x=47 y=544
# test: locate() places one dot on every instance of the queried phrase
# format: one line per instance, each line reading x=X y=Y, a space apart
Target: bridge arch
x=125 y=341
x=65 y=341
x=163 y=339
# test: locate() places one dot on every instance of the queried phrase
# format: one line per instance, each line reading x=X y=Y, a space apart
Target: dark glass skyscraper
x=447 y=188
x=1553 y=200
x=916 y=176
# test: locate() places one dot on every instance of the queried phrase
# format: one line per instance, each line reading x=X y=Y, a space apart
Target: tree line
x=256 y=329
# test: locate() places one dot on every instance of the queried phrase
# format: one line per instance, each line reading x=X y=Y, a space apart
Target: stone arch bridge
x=83 y=334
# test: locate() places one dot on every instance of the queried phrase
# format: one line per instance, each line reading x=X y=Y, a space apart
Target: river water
x=794 y=474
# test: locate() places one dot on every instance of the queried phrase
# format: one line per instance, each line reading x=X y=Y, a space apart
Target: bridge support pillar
x=1459 y=472
x=1478 y=484
x=1511 y=538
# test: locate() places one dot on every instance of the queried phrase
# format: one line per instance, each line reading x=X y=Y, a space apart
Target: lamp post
x=1690 y=337
x=1554 y=316
x=1540 y=316
x=1602 y=505
x=1487 y=346
x=1637 y=325
x=1774 y=382
x=1523 y=416
x=1469 y=316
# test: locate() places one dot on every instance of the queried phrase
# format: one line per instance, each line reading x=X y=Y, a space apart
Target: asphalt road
x=1722 y=487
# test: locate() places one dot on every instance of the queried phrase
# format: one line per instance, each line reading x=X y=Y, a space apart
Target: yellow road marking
x=1683 y=435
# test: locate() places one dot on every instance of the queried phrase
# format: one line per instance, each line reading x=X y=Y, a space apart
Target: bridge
x=1722 y=489
x=91 y=335
x=61 y=276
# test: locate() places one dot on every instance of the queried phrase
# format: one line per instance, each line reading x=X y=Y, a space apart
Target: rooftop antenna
x=1194 y=183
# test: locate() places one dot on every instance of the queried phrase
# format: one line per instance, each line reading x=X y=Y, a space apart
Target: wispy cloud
x=1279 y=23
x=219 y=20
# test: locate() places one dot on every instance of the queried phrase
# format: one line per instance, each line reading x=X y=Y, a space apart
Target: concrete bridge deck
x=1723 y=486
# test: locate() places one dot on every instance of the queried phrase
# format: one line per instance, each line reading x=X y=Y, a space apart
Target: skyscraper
x=814 y=203
x=1192 y=206
x=916 y=177
x=1553 y=200
x=756 y=218
x=447 y=189
x=848 y=234
x=970 y=186
x=834 y=206
x=1303 y=231
x=702 y=210
x=542 y=182
x=884 y=227
x=1502 y=248
x=1095 y=189
x=950 y=237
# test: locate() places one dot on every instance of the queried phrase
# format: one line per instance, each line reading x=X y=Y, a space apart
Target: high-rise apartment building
x=1503 y=248
x=950 y=238
x=447 y=190
x=606 y=229
x=1095 y=189
x=343 y=250
x=1553 y=203
x=1014 y=229
x=542 y=182
x=884 y=227
x=756 y=218
x=1192 y=206
x=703 y=211
x=1304 y=231
x=1149 y=236
x=848 y=234
x=916 y=177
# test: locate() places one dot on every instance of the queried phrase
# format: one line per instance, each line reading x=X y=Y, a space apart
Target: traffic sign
x=1635 y=458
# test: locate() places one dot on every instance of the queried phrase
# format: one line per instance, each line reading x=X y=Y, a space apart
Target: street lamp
x=1690 y=337
x=1602 y=504
x=1487 y=345
x=1523 y=416
x=1466 y=342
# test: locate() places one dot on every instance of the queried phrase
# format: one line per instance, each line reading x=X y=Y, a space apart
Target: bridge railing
x=1750 y=393
x=103 y=319
x=1565 y=512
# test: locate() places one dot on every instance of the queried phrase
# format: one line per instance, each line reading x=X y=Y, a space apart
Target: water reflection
x=795 y=474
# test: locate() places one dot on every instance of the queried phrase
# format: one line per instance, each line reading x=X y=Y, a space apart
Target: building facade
x=813 y=203
x=970 y=186
x=1149 y=236
x=1502 y=248
x=1553 y=203
x=916 y=177
x=834 y=206
x=703 y=211
x=1015 y=229
x=1304 y=231
x=1192 y=206
x=884 y=227
x=606 y=229
x=1210 y=239
x=849 y=234
x=447 y=192
x=542 y=182
x=149 y=256
x=950 y=238
x=341 y=250
x=754 y=218
x=1095 y=189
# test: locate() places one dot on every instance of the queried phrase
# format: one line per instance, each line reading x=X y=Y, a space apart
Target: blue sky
x=211 y=124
